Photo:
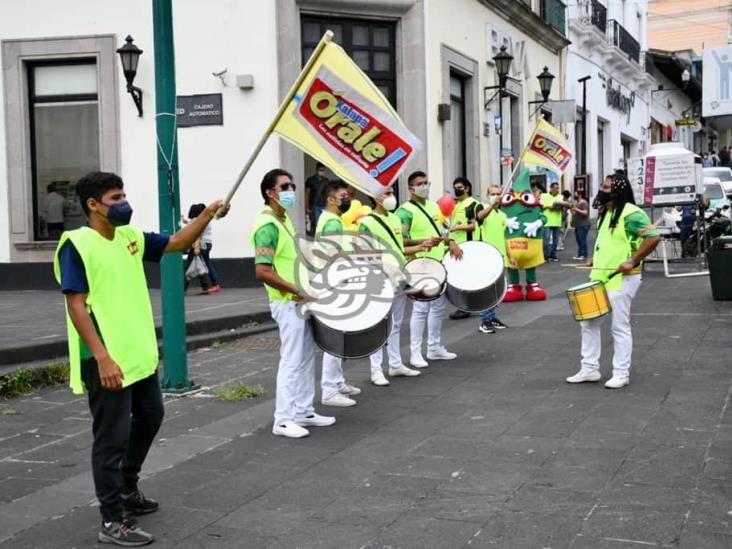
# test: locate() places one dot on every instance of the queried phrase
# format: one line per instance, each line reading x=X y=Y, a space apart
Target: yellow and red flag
x=338 y=116
x=548 y=148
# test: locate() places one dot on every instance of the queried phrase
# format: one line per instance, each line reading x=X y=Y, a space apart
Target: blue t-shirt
x=73 y=273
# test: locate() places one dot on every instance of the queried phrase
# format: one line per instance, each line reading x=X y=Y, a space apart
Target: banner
x=341 y=118
x=547 y=148
x=717 y=81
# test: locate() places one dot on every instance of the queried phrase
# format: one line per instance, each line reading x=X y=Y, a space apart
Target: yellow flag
x=341 y=118
x=547 y=148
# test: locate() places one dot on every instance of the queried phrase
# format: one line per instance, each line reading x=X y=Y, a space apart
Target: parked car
x=724 y=175
x=714 y=195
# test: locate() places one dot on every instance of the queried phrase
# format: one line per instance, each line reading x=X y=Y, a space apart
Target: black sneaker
x=497 y=324
x=487 y=327
x=118 y=533
x=137 y=504
x=457 y=315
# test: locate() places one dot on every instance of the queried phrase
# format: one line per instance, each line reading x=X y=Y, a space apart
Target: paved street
x=491 y=450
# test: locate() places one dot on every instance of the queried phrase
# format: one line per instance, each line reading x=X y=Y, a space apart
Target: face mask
x=345 y=205
x=603 y=198
x=321 y=173
x=459 y=192
x=422 y=191
x=390 y=203
x=119 y=214
x=493 y=199
x=287 y=199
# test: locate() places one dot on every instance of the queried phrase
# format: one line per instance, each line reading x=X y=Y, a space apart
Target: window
x=457 y=126
x=63 y=101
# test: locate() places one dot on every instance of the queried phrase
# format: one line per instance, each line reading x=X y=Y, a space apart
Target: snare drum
x=426 y=279
x=476 y=282
x=589 y=300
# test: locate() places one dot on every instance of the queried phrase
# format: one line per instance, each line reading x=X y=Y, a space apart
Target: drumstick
x=583 y=266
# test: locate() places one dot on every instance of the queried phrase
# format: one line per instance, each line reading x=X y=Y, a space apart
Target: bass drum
x=426 y=279
x=476 y=282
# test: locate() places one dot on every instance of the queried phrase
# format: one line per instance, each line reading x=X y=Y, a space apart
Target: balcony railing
x=554 y=12
x=624 y=40
x=598 y=15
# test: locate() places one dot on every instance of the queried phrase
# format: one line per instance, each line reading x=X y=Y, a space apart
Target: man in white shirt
x=53 y=212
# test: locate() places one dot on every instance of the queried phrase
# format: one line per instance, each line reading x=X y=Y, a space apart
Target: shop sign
x=617 y=100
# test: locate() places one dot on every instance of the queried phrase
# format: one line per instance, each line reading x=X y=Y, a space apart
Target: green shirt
x=636 y=222
x=265 y=240
x=553 y=217
x=333 y=226
x=406 y=217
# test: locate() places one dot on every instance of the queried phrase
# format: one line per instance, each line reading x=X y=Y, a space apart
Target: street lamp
x=129 y=55
x=503 y=61
x=545 y=83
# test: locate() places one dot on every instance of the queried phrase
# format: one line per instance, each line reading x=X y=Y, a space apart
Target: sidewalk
x=490 y=450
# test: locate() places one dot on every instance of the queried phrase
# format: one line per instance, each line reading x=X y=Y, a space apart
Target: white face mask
x=423 y=191
x=493 y=199
x=390 y=203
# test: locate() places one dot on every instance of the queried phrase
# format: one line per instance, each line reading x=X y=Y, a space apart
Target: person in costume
x=273 y=239
x=386 y=225
x=625 y=236
x=420 y=219
x=524 y=238
x=493 y=224
x=335 y=390
x=113 y=349
x=463 y=225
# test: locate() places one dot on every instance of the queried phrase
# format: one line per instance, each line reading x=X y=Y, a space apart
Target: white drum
x=476 y=282
x=426 y=279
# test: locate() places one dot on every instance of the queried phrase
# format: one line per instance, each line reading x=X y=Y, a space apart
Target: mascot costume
x=524 y=238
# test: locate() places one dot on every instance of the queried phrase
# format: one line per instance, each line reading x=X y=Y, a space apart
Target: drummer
x=463 y=226
x=420 y=223
x=335 y=390
x=273 y=239
x=493 y=223
x=625 y=236
x=384 y=224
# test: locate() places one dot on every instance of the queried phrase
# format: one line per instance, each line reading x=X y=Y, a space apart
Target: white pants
x=332 y=380
x=393 y=342
x=620 y=301
x=434 y=313
x=296 y=372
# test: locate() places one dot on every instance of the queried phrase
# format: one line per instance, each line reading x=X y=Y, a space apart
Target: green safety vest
x=612 y=248
x=553 y=217
x=395 y=226
x=323 y=220
x=493 y=230
x=459 y=216
x=285 y=254
x=422 y=228
x=119 y=300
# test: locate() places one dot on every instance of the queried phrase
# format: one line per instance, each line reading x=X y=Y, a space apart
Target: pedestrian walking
x=581 y=224
x=197 y=249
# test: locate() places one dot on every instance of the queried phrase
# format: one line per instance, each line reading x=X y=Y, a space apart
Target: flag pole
x=327 y=37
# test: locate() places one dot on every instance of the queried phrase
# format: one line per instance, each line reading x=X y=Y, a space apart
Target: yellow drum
x=589 y=300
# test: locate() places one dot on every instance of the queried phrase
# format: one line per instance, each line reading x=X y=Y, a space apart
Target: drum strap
x=279 y=222
x=386 y=228
x=434 y=225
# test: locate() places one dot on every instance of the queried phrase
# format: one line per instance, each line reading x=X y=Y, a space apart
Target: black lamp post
x=129 y=55
x=545 y=83
x=503 y=61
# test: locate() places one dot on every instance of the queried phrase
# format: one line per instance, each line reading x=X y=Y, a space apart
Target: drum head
x=352 y=310
x=426 y=274
x=584 y=286
x=482 y=264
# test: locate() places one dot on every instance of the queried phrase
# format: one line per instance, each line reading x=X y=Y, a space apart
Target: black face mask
x=459 y=192
x=345 y=205
x=603 y=198
x=119 y=214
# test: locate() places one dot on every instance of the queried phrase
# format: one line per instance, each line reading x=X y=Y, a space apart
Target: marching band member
x=420 y=223
x=273 y=239
x=625 y=236
x=384 y=224
x=335 y=390
x=463 y=226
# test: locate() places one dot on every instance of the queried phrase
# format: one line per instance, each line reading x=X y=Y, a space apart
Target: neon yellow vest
x=119 y=300
x=553 y=217
x=323 y=220
x=285 y=254
x=493 y=230
x=612 y=248
x=393 y=222
x=459 y=216
x=422 y=228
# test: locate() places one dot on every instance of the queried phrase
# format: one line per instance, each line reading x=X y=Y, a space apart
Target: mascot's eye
x=508 y=199
x=529 y=199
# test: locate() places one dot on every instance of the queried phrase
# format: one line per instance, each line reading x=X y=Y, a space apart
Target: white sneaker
x=417 y=361
x=349 y=390
x=440 y=354
x=616 y=382
x=339 y=400
x=379 y=379
x=315 y=420
x=403 y=371
x=581 y=377
x=289 y=429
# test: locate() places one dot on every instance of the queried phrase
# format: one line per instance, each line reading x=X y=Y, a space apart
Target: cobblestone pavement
x=490 y=450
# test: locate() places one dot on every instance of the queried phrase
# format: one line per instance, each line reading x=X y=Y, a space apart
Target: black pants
x=125 y=424
x=212 y=274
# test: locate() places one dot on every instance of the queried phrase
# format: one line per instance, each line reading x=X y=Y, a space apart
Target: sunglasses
x=287 y=187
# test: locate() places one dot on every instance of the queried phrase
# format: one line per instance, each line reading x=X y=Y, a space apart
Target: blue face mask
x=287 y=199
x=119 y=214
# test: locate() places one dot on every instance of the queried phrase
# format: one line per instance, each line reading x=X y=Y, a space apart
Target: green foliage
x=238 y=391
x=11 y=412
x=25 y=380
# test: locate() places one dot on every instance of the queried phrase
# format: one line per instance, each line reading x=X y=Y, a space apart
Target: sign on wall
x=199 y=110
x=717 y=82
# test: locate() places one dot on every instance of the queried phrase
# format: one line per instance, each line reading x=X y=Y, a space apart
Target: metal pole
x=175 y=378
x=583 y=166
x=500 y=135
